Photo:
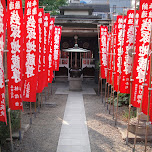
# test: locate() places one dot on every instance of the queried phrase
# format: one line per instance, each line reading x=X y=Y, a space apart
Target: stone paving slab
x=89 y=91
x=74 y=133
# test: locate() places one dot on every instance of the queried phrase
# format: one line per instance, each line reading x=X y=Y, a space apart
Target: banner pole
x=9 y=117
x=106 y=83
x=113 y=71
x=110 y=27
x=9 y=110
x=45 y=95
x=112 y=86
x=108 y=94
x=101 y=91
x=41 y=100
x=51 y=88
x=48 y=91
x=113 y=103
x=35 y=109
x=122 y=39
x=10 y=126
x=20 y=134
x=38 y=102
x=131 y=74
x=30 y=113
x=99 y=75
x=105 y=93
x=99 y=84
x=140 y=109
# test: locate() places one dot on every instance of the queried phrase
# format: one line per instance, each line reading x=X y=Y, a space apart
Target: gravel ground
x=104 y=136
x=44 y=132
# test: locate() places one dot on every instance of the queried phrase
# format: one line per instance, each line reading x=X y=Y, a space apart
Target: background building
x=81 y=20
x=118 y=4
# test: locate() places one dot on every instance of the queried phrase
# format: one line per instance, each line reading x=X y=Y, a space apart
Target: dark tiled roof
x=93 y=7
x=101 y=8
x=78 y=17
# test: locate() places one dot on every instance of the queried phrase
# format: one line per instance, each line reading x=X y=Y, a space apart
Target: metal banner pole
x=38 y=102
x=101 y=91
x=35 y=110
x=108 y=94
x=30 y=113
x=9 y=118
x=122 y=38
x=48 y=91
x=112 y=86
x=51 y=89
x=105 y=93
x=41 y=100
x=45 y=95
x=100 y=59
x=20 y=134
x=9 y=110
x=131 y=74
x=109 y=70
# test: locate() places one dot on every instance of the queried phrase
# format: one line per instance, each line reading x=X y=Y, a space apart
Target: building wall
x=133 y=3
x=119 y=4
x=76 y=12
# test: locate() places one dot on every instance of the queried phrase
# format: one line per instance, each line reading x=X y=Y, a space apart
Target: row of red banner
x=116 y=54
x=33 y=52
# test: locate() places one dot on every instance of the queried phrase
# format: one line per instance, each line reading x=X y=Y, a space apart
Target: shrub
x=15 y=123
x=123 y=99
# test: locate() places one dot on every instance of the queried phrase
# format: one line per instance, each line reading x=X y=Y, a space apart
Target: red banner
x=112 y=55
x=103 y=51
x=3 y=17
x=140 y=58
x=56 y=46
x=31 y=50
x=108 y=57
x=147 y=30
x=50 y=57
x=126 y=68
x=114 y=49
x=15 y=53
x=46 y=48
x=119 y=51
x=41 y=48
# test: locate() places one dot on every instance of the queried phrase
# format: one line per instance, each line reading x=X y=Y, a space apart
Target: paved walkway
x=74 y=132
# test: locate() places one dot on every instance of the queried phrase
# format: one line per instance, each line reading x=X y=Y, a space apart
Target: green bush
x=123 y=99
x=133 y=113
x=15 y=123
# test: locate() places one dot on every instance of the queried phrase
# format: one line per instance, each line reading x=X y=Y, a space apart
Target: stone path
x=74 y=132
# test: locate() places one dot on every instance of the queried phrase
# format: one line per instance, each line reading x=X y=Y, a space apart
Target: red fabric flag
x=50 y=57
x=31 y=50
x=108 y=57
x=3 y=117
x=112 y=55
x=41 y=49
x=46 y=48
x=140 y=58
x=103 y=51
x=113 y=58
x=15 y=53
x=126 y=68
x=119 y=51
x=56 y=46
x=147 y=29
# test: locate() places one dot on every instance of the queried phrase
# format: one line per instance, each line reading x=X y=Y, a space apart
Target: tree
x=52 y=5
